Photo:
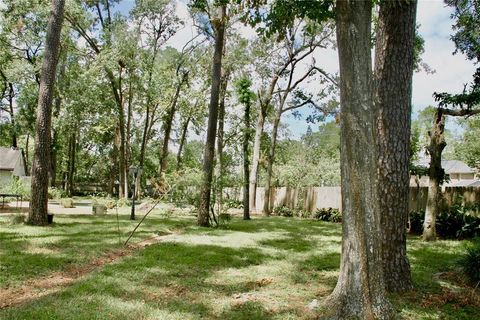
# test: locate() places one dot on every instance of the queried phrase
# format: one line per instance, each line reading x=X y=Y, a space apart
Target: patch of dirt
x=38 y=287
x=253 y=285
x=457 y=299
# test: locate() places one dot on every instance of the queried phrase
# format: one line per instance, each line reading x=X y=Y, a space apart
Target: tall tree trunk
x=37 y=214
x=72 y=150
x=56 y=112
x=220 y=141
x=11 y=94
x=256 y=156
x=436 y=175
x=246 y=162
x=168 y=124
x=267 y=210
x=218 y=25
x=394 y=62
x=143 y=146
x=182 y=142
x=27 y=158
x=360 y=290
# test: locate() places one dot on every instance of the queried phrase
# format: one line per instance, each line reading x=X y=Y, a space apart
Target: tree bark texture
x=72 y=148
x=218 y=25
x=436 y=175
x=220 y=141
x=246 y=162
x=394 y=62
x=360 y=290
x=38 y=211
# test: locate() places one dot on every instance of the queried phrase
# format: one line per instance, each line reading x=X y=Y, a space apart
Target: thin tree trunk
x=220 y=141
x=56 y=112
x=394 y=62
x=246 y=163
x=27 y=158
x=267 y=210
x=11 y=94
x=144 y=136
x=219 y=26
x=436 y=176
x=41 y=160
x=182 y=142
x=72 y=146
x=360 y=290
x=256 y=156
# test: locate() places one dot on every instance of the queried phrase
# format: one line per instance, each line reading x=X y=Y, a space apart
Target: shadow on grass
x=169 y=279
x=294 y=243
x=296 y=226
x=429 y=260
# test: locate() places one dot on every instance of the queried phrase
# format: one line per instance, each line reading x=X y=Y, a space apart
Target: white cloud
x=452 y=71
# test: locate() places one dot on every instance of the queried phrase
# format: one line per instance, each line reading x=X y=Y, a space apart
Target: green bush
x=328 y=214
x=470 y=262
x=283 y=211
x=233 y=204
x=416 y=222
x=55 y=193
x=455 y=222
x=304 y=214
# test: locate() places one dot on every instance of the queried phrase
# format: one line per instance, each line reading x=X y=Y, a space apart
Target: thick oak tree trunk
x=394 y=62
x=37 y=214
x=360 y=290
x=218 y=25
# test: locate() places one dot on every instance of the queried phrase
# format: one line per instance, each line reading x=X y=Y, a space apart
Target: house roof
x=9 y=158
x=450 y=166
x=466 y=183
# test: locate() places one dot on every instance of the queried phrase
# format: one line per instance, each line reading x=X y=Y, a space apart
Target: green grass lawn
x=266 y=268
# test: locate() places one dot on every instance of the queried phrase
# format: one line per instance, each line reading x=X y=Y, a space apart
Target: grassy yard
x=267 y=268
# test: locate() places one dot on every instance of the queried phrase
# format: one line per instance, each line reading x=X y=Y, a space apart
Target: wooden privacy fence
x=312 y=198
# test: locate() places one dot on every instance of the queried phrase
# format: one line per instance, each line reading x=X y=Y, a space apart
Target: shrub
x=416 y=222
x=232 y=203
x=283 y=211
x=470 y=262
x=304 y=214
x=328 y=214
x=455 y=222
x=55 y=193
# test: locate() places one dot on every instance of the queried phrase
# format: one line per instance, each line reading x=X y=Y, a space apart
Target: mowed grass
x=266 y=268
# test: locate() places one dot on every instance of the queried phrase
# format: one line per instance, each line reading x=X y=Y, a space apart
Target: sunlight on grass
x=268 y=268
